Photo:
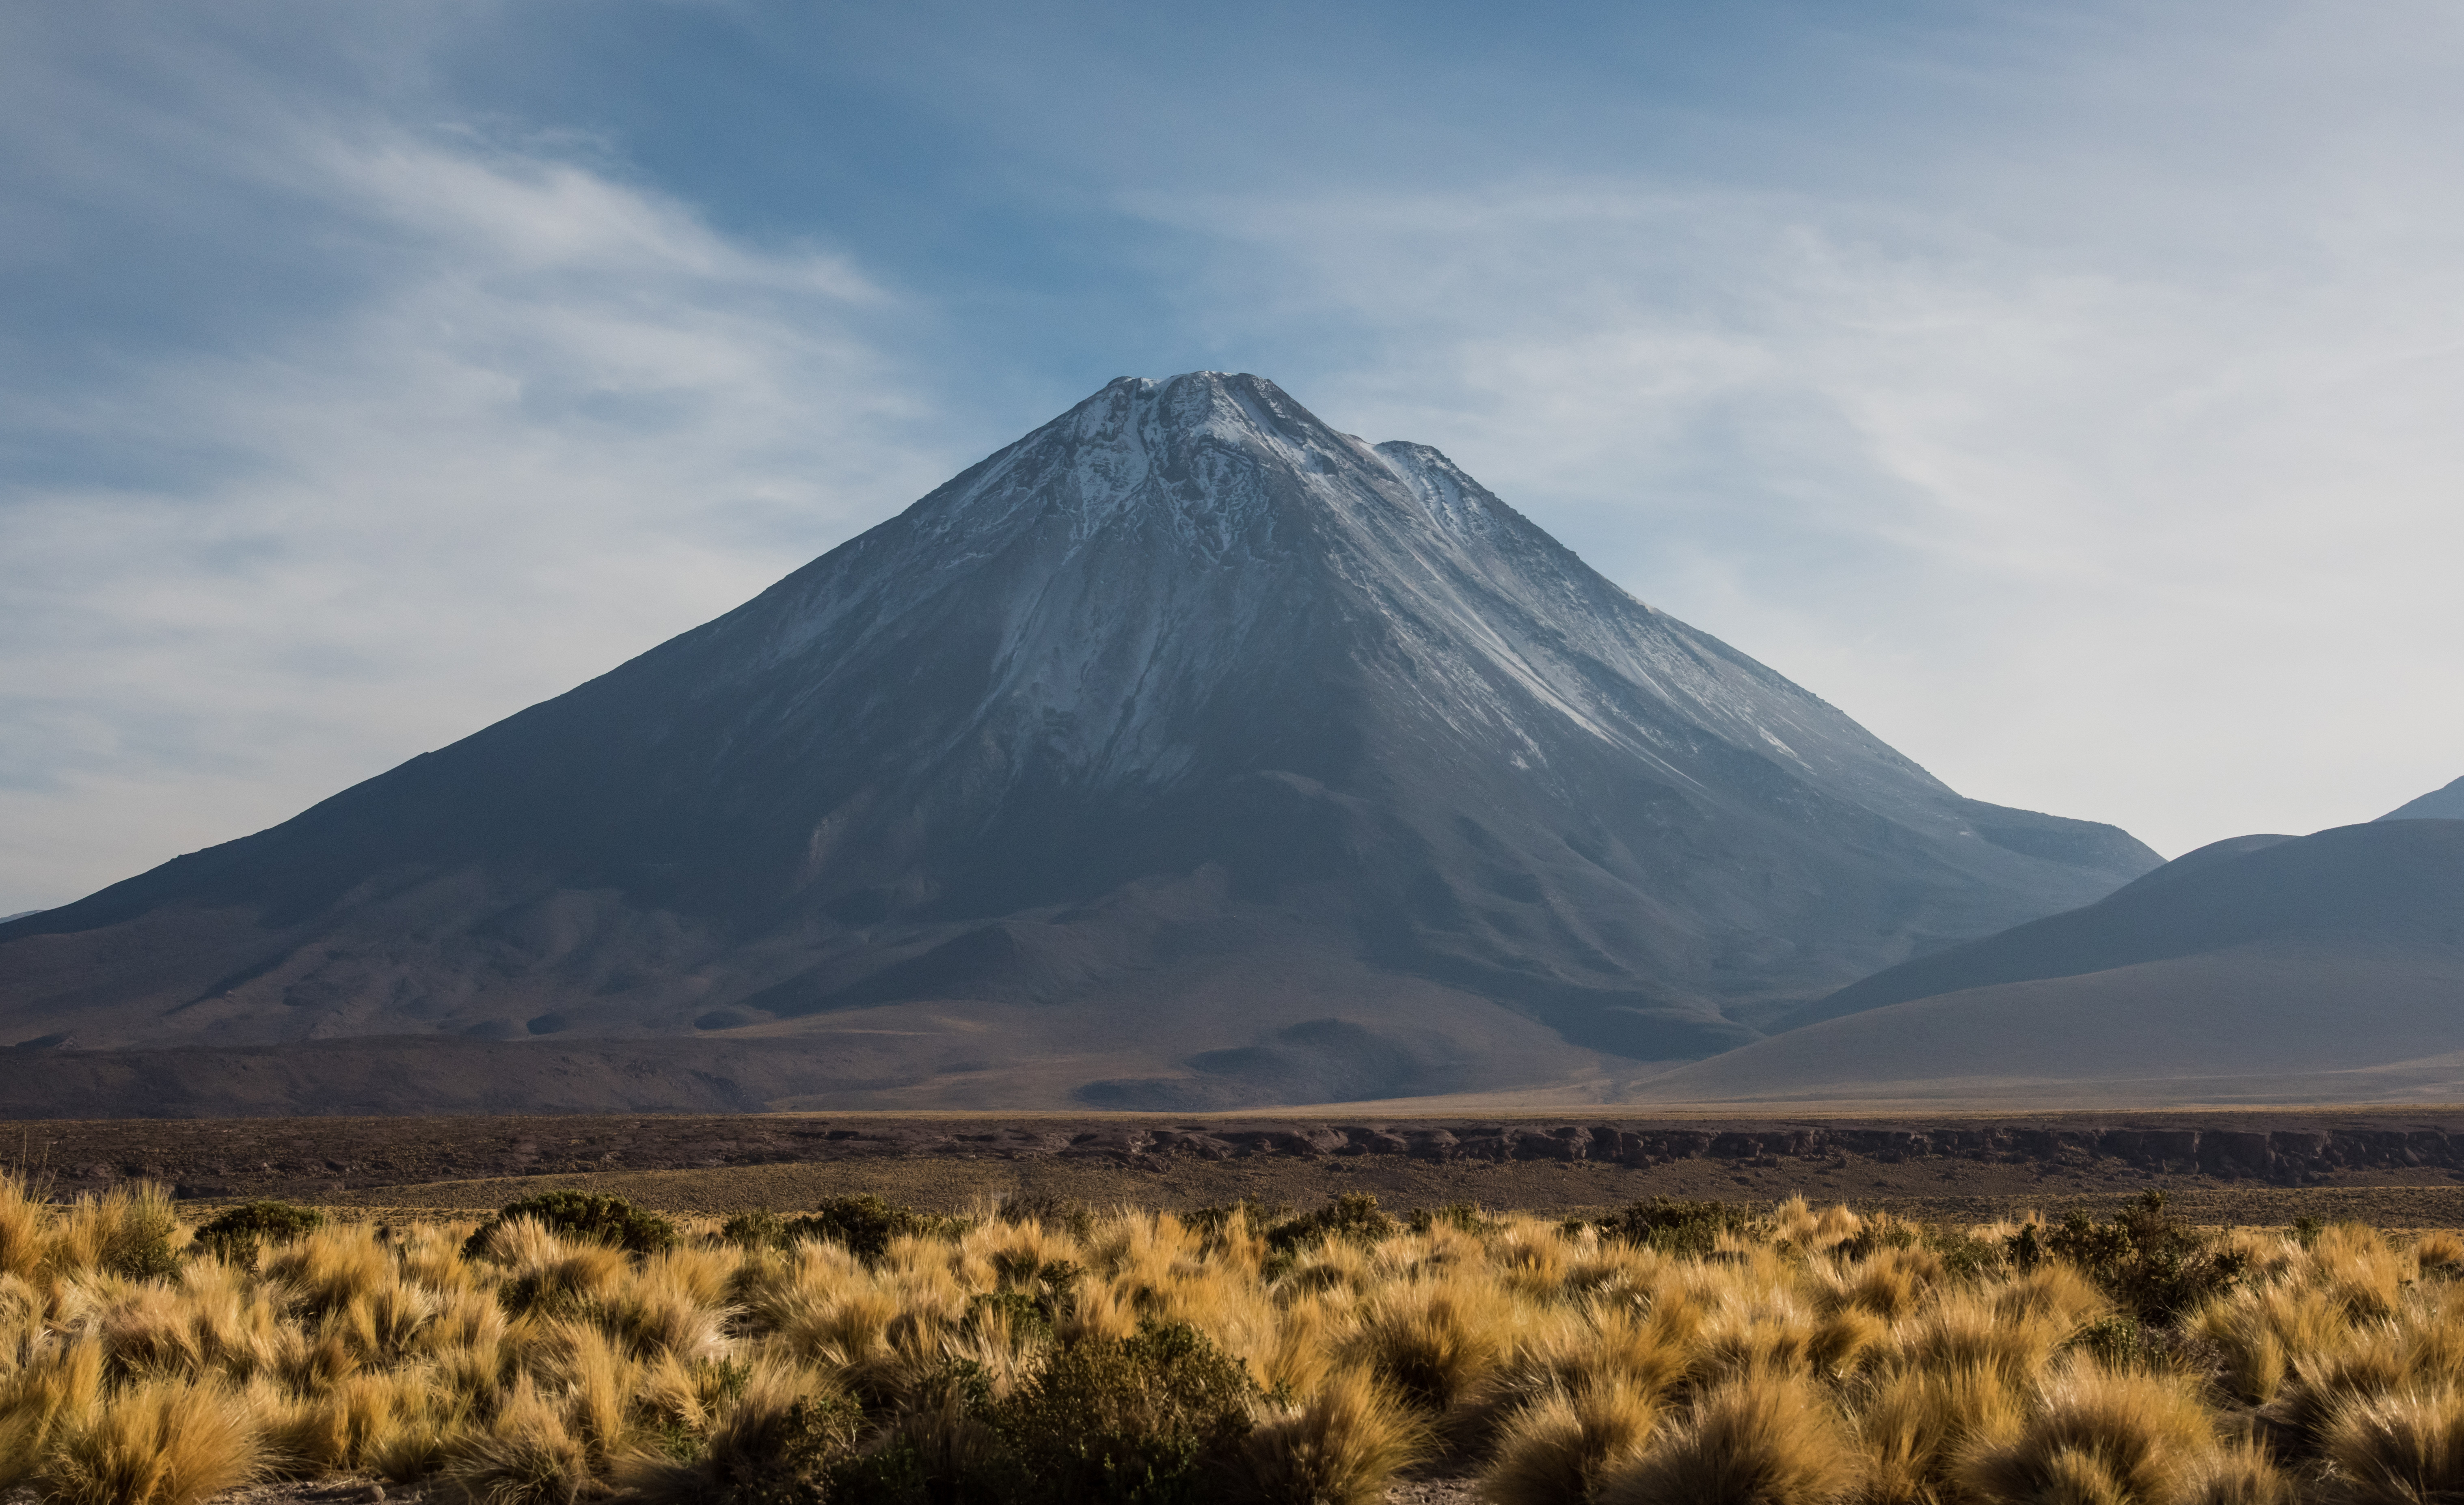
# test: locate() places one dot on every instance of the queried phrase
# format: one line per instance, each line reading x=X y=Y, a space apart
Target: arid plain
x=2400 y=1168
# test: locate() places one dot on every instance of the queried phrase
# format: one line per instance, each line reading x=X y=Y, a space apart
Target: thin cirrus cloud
x=2103 y=470
x=2065 y=396
x=549 y=420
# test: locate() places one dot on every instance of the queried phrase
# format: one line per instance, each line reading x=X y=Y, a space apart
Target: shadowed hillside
x=2327 y=968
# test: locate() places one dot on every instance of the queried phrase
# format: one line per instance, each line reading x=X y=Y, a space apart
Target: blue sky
x=2068 y=393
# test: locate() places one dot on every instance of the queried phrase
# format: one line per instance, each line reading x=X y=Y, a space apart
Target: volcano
x=1184 y=752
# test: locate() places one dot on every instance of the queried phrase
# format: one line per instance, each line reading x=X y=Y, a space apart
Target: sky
x=2069 y=393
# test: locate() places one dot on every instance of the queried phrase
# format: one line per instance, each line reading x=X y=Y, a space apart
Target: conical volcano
x=1184 y=752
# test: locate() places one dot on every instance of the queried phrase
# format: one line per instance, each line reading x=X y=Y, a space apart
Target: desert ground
x=2395 y=1167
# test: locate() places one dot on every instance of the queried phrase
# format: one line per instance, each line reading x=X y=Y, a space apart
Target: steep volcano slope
x=2328 y=968
x=1184 y=718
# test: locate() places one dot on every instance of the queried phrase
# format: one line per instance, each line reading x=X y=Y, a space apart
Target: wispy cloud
x=2148 y=517
x=555 y=420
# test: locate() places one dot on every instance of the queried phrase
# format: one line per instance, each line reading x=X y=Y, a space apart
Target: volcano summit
x=1184 y=752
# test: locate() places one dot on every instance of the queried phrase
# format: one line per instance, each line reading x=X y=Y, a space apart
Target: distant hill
x=2439 y=804
x=2267 y=967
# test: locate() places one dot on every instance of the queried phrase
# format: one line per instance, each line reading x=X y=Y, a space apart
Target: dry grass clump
x=2439 y=1255
x=1771 y=1438
x=160 y=1442
x=1564 y=1443
x=2404 y=1448
x=2095 y=1435
x=575 y=1349
x=1339 y=1447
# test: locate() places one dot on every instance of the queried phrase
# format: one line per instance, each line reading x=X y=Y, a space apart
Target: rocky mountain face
x=1185 y=751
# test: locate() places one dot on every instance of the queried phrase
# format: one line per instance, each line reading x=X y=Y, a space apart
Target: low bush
x=236 y=1233
x=2153 y=1265
x=759 y=1229
x=1690 y=1229
x=1215 y=1222
x=775 y=1450
x=127 y=1232
x=1018 y=1316
x=581 y=1215
x=1464 y=1217
x=863 y=1225
x=1060 y=1213
x=1353 y=1216
x=1155 y=1418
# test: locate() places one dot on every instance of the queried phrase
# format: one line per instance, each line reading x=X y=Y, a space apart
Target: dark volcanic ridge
x=1147 y=762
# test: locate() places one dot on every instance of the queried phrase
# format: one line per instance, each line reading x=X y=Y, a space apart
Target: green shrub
x=1029 y=1317
x=2154 y=1266
x=236 y=1233
x=1965 y=1258
x=1676 y=1228
x=2117 y=1340
x=1464 y=1216
x=938 y=1449
x=1213 y=1221
x=1881 y=1231
x=759 y=1229
x=760 y=1454
x=1353 y=1216
x=865 y=1224
x=1154 y=1419
x=1059 y=1214
x=581 y=1214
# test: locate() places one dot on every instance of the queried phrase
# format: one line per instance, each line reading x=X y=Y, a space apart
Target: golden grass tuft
x=2242 y=1473
x=1562 y=1444
x=2258 y=1332
x=1768 y=1438
x=2400 y=1449
x=1914 y=1426
x=58 y=1392
x=2130 y=1439
x=161 y=1442
x=2358 y=1269
x=2438 y=1254
x=25 y=1231
x=1342 y=1446
x=1890 y=1285
x=527 y=1456
x=1433 y=1342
